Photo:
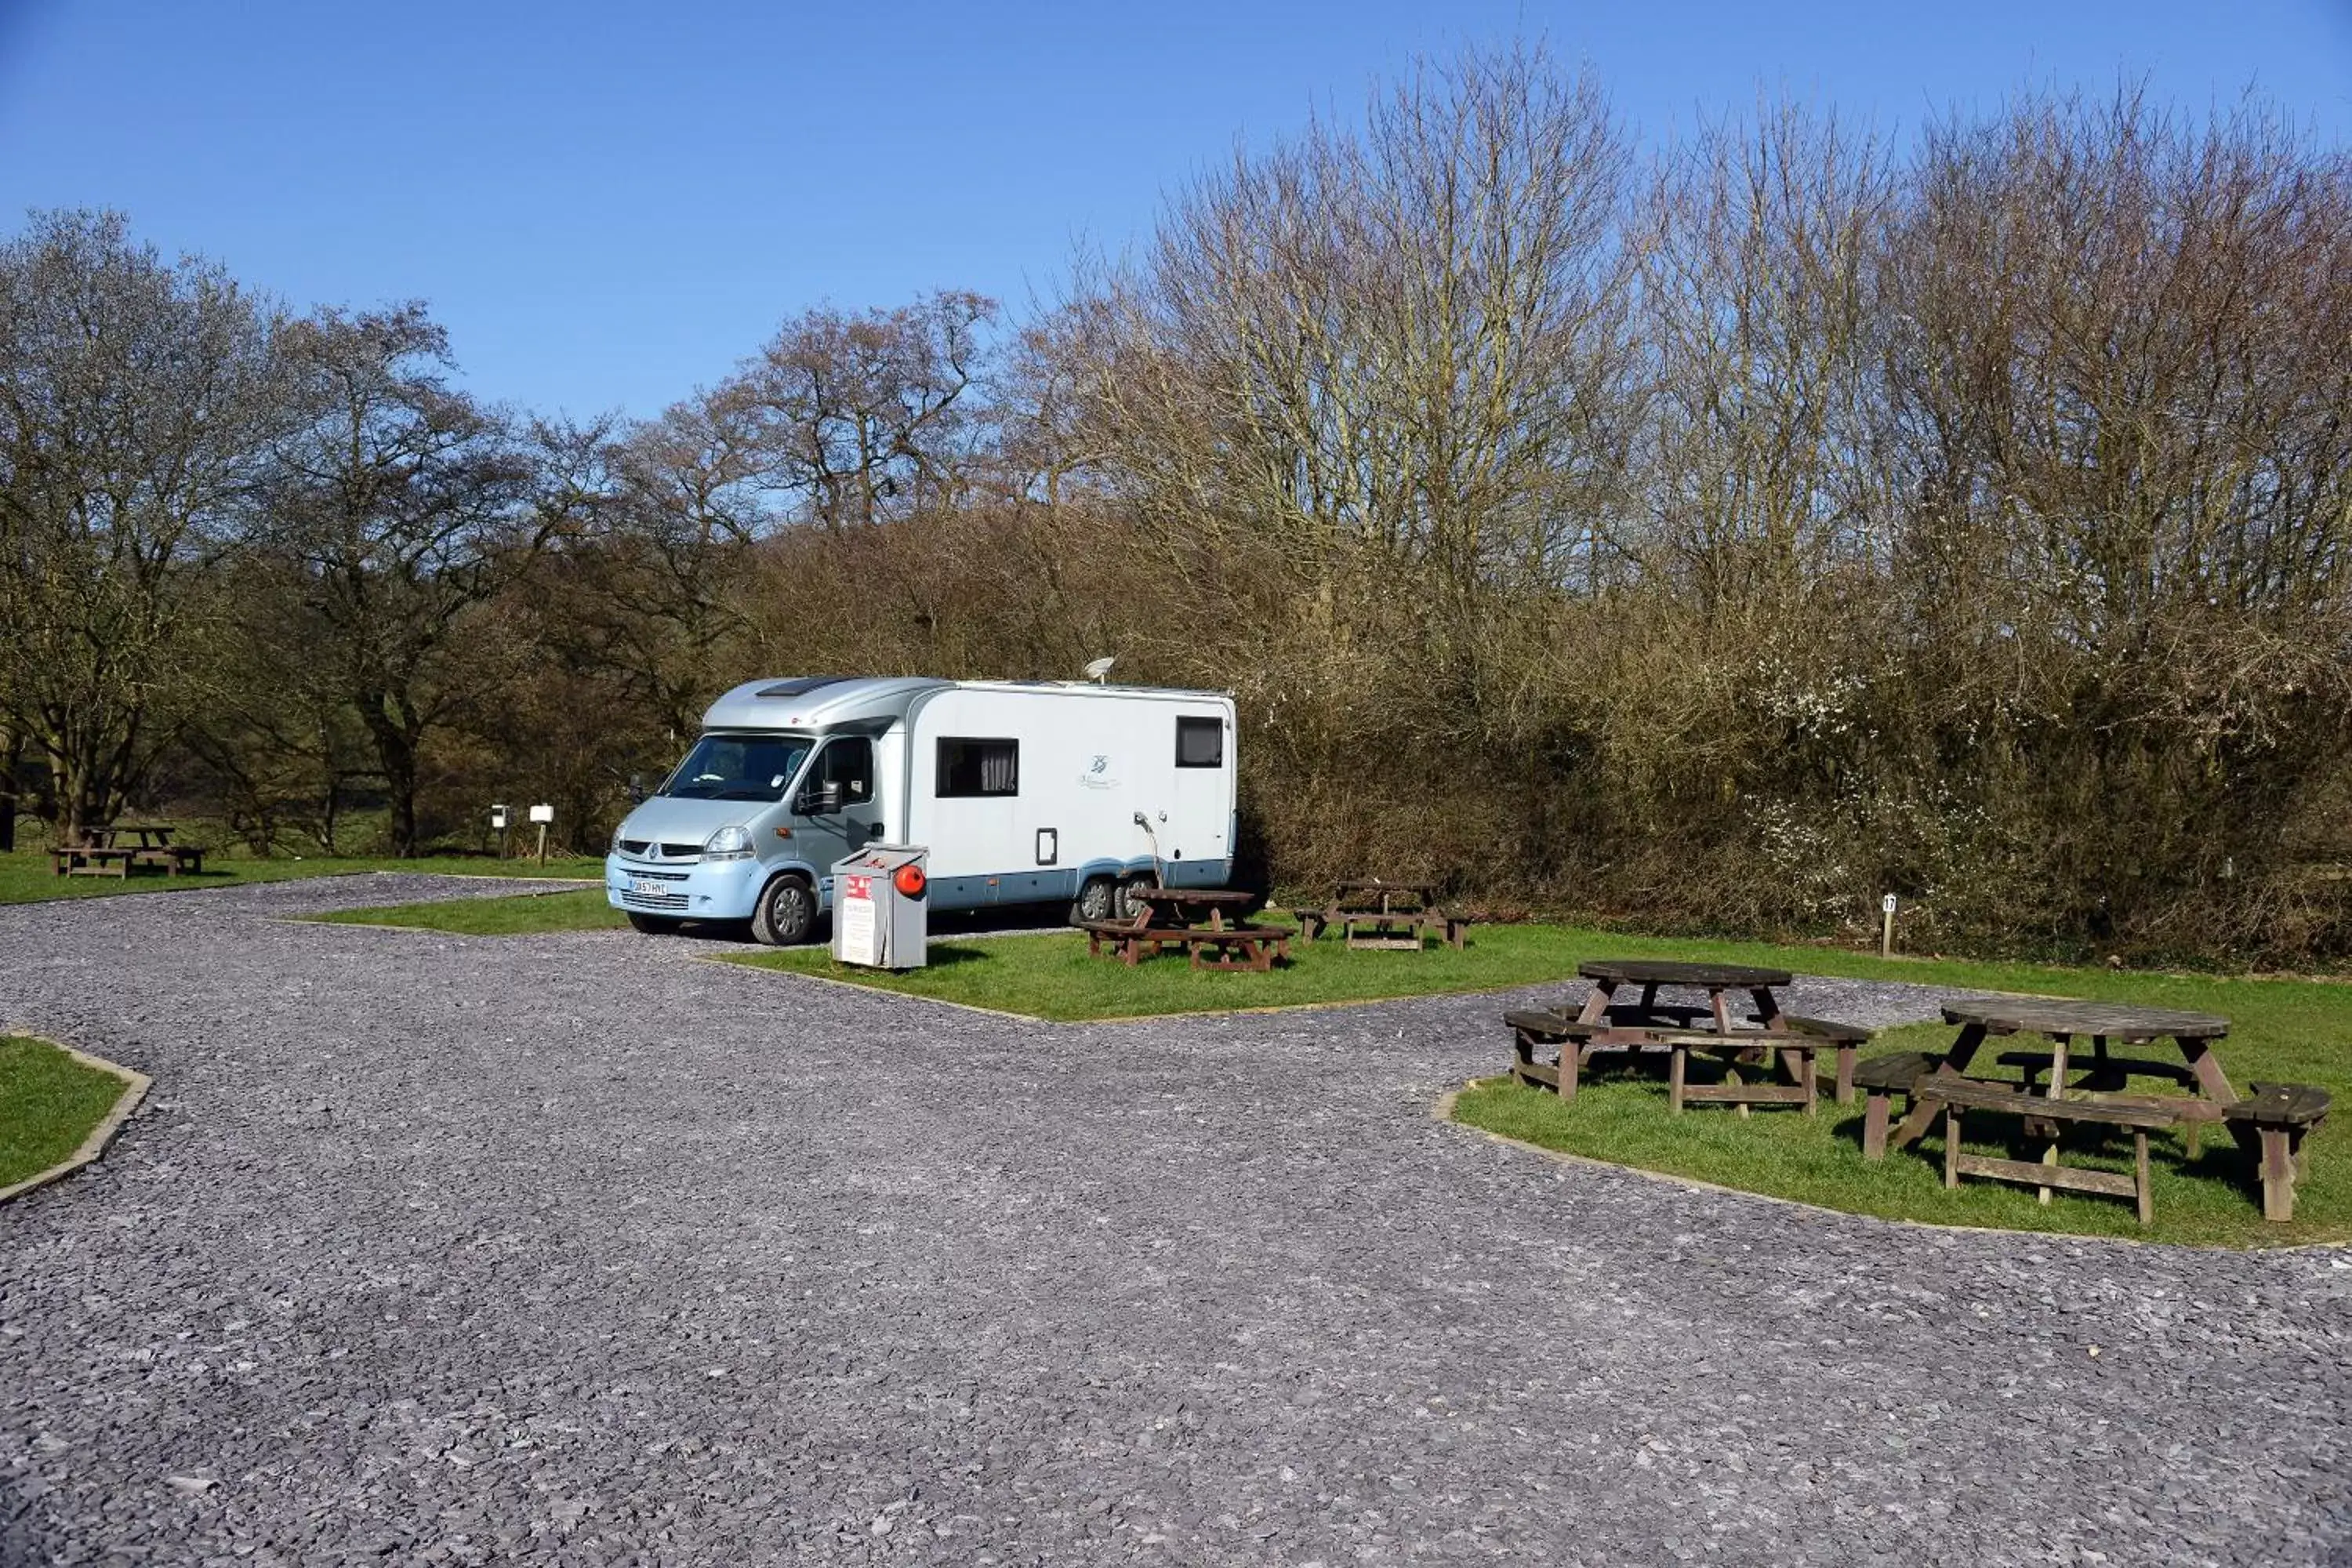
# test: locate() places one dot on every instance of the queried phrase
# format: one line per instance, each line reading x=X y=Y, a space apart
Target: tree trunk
x=395 y=749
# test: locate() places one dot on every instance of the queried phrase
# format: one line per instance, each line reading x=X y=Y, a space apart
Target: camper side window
x=1200 y=742
x=978 y=767
x=849 y=762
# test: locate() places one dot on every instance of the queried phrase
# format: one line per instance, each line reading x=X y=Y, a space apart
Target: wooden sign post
x=542 y=815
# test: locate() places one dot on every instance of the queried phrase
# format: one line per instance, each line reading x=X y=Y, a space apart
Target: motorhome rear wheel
x=1129 y=906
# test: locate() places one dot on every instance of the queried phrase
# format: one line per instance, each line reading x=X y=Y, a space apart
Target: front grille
x=643 y=848
x=654 y=900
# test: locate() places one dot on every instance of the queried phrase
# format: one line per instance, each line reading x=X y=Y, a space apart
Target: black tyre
x=1098 y=900
x=653 y=925
x=1129 y=906
x=787 y=913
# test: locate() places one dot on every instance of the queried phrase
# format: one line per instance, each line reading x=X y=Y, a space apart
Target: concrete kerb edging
x=1443 y=1110
x=134 y=1090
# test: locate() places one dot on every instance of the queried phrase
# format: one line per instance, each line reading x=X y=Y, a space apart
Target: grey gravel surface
x=573 y=1250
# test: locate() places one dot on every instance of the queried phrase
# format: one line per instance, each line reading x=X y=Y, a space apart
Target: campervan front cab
x=1025 y=792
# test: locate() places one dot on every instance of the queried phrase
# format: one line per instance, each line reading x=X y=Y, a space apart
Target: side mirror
x=824 y=800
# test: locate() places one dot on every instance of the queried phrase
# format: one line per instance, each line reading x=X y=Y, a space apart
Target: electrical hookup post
x=879 y=918
x=542 y=815
x=499 y=825
x=1886 y=926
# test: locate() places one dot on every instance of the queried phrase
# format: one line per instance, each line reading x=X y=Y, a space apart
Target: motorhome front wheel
x=786 y=914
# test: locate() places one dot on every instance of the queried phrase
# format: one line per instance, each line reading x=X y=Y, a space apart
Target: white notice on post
x=859 y=944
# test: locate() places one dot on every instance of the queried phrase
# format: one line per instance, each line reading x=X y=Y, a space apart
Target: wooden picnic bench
x=113 y=851
x=1209 y=924
x=1624 y=1001
x=1377 y=915
x=2271 y=1124
x=1571 y=1042
x=2046 y=1119
x=2062 y=1021
x=2059 y=1087
x=1227 y=947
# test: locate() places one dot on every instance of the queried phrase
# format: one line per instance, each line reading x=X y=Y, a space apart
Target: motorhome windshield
x=739 y=767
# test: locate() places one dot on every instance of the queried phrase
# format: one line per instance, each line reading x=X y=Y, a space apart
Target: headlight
x=728 y=844
x=615 y=847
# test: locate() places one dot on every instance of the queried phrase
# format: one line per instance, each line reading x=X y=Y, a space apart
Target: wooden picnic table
x=1211 y=925
x=1769 y=1036
x=1609 y=975
x=1208 y=907
x=2103 y=1076
x=1372 y=912
x=113 y=849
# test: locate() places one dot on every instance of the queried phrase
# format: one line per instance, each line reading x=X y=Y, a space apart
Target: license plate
x=646 y=888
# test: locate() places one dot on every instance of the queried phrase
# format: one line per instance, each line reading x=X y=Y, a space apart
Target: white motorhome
x=1025 y=792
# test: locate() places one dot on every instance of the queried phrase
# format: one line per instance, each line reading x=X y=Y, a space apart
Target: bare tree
x=407 y=505
x=862 y=418
x=134 y=394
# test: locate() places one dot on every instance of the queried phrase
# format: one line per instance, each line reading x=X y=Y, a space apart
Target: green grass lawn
x=2284 y=1030
x=584 y=909
x=24 y=876
x=48 y=1104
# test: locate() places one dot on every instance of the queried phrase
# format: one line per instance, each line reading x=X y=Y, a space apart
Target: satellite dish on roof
x=1098 y=668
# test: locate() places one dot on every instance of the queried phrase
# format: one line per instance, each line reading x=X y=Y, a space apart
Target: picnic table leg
x=1846 y=1054
x=2140 y=1176
x=2212 y=1081
x=1722 y=1010
x=1801 y=1057
x=1675 y=1057
x=1874 y=1125
x=1596 y=1001
x=1951 y=1146
x=2058 y=1044
x=1916 y=1120
x=1767 y=1008
x=2278 y=1176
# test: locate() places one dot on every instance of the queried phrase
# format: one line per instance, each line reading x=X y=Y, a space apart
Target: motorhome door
x=836 y=803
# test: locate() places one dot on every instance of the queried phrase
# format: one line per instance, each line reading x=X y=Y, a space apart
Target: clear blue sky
x=610 y=204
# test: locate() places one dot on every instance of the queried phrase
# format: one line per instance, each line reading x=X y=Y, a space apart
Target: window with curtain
x=971 y=767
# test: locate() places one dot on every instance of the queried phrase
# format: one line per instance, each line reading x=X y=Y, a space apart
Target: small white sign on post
x=1886 y=926
x=498 y=816
x=543 y=814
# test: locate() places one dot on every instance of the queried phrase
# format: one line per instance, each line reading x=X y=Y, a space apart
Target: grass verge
x=528 y=915
x=2283 y=1030
x=49 y=1104
x=24 y=876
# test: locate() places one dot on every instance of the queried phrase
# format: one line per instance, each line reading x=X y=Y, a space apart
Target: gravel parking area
x=570 y=1249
